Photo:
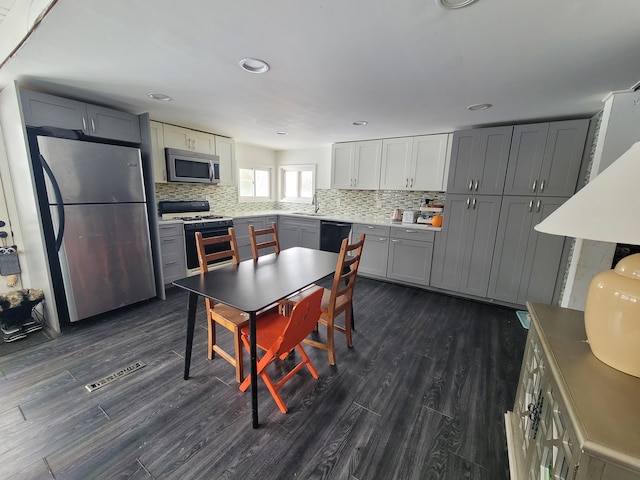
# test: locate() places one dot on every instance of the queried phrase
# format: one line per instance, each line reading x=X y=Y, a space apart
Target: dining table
x=251 y=286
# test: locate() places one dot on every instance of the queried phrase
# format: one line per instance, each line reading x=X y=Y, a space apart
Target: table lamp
x=607 y=209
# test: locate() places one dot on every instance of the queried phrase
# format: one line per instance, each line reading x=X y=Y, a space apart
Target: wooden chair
x=339 y=299
x=257 y=245
x=277 y=335
x=225 y=315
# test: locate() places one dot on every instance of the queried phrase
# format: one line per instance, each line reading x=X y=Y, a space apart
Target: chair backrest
x=257 y=245
x=302 y=321
x=217 y=253
x=344 y=278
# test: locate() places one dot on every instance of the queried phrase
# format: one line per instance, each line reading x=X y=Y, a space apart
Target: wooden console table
x=574 y=417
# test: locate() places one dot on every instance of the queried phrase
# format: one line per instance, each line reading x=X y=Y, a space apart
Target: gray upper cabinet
x=479 y=160
x=545 y=158
x=44 y=110
x=525 y=263
x=464 y=248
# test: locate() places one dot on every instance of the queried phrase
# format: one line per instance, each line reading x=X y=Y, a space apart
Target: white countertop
x=367 y=220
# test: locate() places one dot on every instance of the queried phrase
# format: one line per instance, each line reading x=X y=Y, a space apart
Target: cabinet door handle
x=411 y=186
x=395 y=241
x=471 y=185
x=468 y=202
x=475 y=185
x=406 y=183
x=474 y=203
x=538 y=204
x=171 y=263
x=369 y=226
x=533 y=187
x=410 y=231
x=93 y=125
x=84 y=123
x=382 y=239
x=542 y=186
x=530 y=206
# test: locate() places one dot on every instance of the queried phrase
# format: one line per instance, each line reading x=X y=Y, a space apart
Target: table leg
x=191 y=323
x=254 y=369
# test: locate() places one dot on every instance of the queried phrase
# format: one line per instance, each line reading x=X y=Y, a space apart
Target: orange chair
x=256 y=245
x=229 y=317
x=339 y=299
x=278 y=335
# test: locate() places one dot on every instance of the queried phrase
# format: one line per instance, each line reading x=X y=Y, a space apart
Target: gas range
x=194 y=217
x=191 y=212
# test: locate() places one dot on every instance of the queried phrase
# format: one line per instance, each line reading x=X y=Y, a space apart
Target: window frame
x=246 y=199
x=282 y=171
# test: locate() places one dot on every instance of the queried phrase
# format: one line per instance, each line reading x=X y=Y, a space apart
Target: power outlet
x=338 y=202
x=378 y=204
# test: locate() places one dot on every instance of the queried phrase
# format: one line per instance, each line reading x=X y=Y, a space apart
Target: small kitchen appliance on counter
x=409 y=216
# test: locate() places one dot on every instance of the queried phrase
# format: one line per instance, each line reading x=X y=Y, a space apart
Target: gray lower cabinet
x=172 y=251
x=525 y=263
x=463 y=250
x=241 y=227
x=294 y=231
x=410 y=254
x=44 y=110
x=376 y=249
x=574 y=417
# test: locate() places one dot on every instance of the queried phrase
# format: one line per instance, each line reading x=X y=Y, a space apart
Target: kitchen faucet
x=314 y=202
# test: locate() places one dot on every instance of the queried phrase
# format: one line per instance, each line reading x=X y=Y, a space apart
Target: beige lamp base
x=612 y=316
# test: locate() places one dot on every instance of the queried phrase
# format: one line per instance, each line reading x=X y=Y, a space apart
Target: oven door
x=208 y=229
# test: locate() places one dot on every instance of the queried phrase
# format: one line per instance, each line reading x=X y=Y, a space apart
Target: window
x=254 y=184
x=297 y=183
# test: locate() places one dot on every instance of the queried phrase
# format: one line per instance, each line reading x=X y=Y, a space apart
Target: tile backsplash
x=377 y=203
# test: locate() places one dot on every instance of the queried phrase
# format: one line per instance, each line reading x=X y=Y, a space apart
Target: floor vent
x=115 y=376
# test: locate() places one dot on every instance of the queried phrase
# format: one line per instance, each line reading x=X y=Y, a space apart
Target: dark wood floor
x=421 y=395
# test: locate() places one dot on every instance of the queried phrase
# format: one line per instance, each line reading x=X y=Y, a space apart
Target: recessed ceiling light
x=160 y=96
x=282 y=132
x=453 y=4
x=253 y=65
x=479 y=106
x=359 y=123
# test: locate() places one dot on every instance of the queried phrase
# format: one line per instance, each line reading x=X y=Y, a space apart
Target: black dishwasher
x=332 y=234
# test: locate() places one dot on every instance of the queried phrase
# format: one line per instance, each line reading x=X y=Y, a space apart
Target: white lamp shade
x=607 y=209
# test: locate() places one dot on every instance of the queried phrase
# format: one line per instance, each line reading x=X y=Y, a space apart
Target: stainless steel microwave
x=192 y=167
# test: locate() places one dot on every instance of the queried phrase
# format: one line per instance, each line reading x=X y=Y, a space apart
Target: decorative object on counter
x=612 y=311
x=396 y=216
x=428 y=214
x=17 y=313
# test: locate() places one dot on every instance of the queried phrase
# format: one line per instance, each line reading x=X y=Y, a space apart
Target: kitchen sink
x=308 y=214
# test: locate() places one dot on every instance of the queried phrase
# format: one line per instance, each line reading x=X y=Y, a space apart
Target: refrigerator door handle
x=59 y=205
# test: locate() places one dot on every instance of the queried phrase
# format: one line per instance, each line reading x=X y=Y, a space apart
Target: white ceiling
x=408 y=67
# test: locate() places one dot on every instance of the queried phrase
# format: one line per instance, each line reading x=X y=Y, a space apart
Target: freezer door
x=105 y=258
x=89 y=172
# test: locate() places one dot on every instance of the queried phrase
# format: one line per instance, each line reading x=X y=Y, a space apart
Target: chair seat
x=341 y=301
x=271 y=327
x=230 y=317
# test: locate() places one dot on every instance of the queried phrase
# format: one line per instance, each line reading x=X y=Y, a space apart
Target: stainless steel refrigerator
x=100 y=227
